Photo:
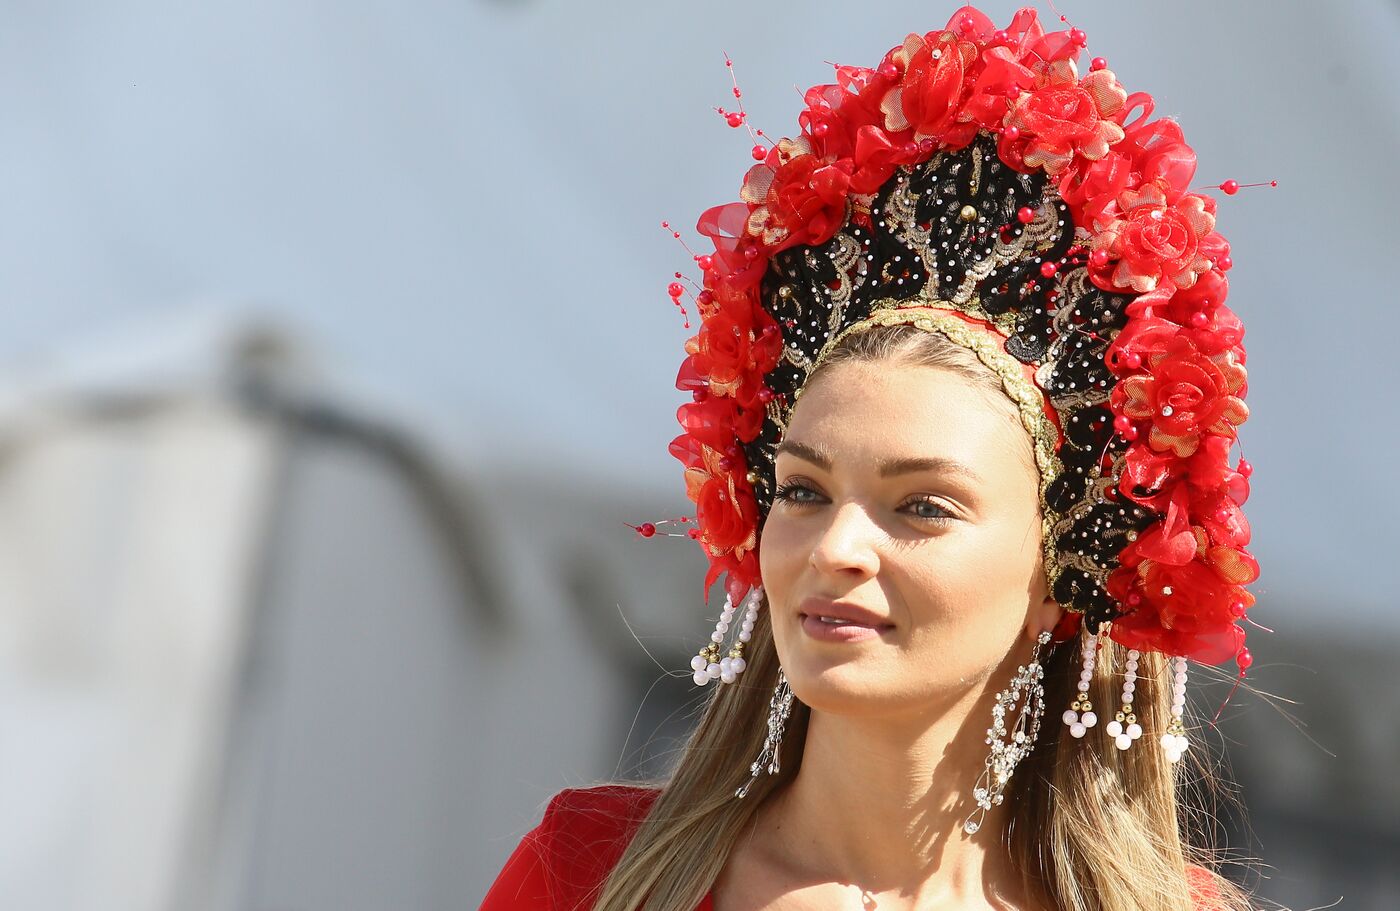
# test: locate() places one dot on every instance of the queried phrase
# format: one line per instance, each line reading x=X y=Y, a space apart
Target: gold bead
x=752 y=477
x=968 y=213
x=785 y=291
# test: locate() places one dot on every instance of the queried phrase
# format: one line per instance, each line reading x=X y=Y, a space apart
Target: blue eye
x=786 y=492
x=944 y=514
x=789 y=493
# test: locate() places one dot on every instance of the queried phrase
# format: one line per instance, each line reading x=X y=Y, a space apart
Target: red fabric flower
x=707 y=423
x=1158 y=475
x=929 y=98
x=1182 y=610
x=1187 y=609
x=726 y=512
x=837 y=113
x=741 y=573
x=1219 y=514
x=1155 y=242
x=1185 y=394
x=802 y=202
x=1157 y=149
x=1064 y=117
x=722 y=352
x=730 y=350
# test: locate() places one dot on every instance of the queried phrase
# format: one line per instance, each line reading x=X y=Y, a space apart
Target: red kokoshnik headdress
x=975 y=184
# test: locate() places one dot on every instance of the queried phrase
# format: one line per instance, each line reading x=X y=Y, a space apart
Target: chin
x=841 y=687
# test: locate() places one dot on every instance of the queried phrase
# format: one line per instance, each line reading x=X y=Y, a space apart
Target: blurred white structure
x=254 y=643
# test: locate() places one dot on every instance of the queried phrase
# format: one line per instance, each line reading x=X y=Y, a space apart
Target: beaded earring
x=1124 y=727
x=779 y=708
x=708 y=665
x=1080 y=715
x=1174 y=740
x=1007 y=753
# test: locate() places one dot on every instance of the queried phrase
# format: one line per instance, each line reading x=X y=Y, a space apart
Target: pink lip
x=860 y=624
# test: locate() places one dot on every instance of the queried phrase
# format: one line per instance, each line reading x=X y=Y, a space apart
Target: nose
x=848 y=545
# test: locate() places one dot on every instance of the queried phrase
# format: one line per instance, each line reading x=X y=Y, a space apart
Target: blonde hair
x=1063 y=800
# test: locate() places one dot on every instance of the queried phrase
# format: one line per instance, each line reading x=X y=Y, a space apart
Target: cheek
x=781 y=556
x=968 y=594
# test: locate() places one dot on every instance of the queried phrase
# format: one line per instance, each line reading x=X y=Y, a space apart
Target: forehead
x=863 y=413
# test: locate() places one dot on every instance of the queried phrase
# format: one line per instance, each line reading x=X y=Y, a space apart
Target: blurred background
x=335 y=353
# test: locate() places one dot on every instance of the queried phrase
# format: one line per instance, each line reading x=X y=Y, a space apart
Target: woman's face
x=910 y=495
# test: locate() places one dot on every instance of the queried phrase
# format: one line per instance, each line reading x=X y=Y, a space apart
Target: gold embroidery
x=1029 y=399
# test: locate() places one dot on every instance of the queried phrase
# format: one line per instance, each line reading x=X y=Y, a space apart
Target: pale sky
x=460 y=203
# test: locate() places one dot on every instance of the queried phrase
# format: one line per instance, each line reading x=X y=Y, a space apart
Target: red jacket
x=561 y=863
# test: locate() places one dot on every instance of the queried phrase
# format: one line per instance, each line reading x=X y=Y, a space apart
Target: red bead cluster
x=1179 y=360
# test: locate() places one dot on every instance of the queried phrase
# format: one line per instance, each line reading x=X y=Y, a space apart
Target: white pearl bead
x=697 y=663
x=1134 y=730
x=1181 y=743
x=1178 y=689
x=716 y=637
x=701 y=678
x=1173 y=756
x=1130 y=686
x=1122 y=741
x=724 y=664
x=728 y=676
x=722 y=627
x=1127 y=698
x=1070 y=716
x=713 y=670
x=1090 y=719
x=1179 y=677
x=745 y=635
x=746 y=626
x=1077 y=730
x=1167 y=741
x=738 y=664
x=1113 y=728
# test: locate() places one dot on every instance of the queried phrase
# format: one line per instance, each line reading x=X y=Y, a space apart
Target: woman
x=965 y=364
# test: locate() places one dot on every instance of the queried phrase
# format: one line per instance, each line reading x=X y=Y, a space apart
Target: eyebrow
x=888 y=467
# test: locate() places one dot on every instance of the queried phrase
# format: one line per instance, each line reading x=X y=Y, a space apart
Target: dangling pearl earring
x=1124 y=727
x=708 y=665
x=1080 y=715
x=1174 y=740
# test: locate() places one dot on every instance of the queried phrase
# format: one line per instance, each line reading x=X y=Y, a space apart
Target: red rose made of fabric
x=1155 y=242
x=1185 y=394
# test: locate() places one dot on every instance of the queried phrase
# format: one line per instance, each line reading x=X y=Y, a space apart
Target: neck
x=880 y=802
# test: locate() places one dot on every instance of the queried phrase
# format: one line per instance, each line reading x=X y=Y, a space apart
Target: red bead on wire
x=649 y=529
x=740 y=118
x=1231 y=187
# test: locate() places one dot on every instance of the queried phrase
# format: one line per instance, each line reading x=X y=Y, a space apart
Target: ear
x=1042 y=617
